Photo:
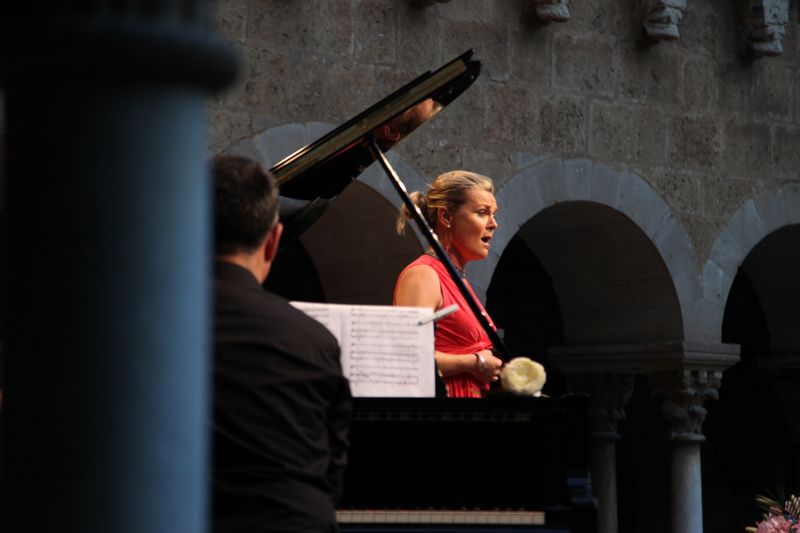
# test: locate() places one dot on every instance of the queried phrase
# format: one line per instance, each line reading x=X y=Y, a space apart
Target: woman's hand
x=487 y=366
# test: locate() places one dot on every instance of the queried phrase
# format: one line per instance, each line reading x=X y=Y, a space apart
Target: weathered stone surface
x=610 y=137
x=723 y=195
x=262 y=87
x=415 y=52
x=334 y=28
x=280 y=25
x=773 y=89
x=649 y=126
x=578 y=179
x=602 y=18
x=702 y=27
x=650 y=75
x=786 y=152
x=747 y=148
x=695 y=142
x=489 y=39
x=375 y=32
x=230 y=19
x=314 y=97
x=513 y=112
x=584 y=64
x=226 y=128
x=681 y=188
x=530 y=55
x=563 y=124
x=699 y=85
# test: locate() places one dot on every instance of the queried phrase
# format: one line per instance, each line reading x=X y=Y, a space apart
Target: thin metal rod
x=433 y=240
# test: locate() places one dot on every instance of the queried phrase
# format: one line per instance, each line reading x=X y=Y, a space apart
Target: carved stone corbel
x=765 y=25
x=553 y=10
x=661 y=22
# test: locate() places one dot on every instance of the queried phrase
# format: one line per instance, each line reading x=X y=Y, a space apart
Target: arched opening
x=584 y=274
x=351 y=254
x=750 y=424
x=523 y=304
x=611 y=283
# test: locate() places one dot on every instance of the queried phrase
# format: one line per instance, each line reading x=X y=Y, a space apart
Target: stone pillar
x=106 y=369
x=685 y=391
x=608 y=395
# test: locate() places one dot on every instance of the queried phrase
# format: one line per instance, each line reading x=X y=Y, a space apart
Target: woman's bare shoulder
x=419 y=286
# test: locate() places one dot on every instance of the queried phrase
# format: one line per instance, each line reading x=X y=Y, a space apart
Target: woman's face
x=472 y=226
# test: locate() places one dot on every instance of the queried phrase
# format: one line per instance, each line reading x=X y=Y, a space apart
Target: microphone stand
x=433 y=240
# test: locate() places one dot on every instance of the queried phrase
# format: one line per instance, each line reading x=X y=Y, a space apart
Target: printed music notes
x=387 y=351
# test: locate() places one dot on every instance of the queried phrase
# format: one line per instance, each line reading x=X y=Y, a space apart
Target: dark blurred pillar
x=106 y=368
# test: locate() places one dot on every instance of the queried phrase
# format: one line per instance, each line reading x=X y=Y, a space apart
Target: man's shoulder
x=297 y=318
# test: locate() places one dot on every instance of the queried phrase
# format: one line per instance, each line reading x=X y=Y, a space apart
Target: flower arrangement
x=523 y=376
x=778 y=518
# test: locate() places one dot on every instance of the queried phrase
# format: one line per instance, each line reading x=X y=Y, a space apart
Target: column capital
x=684 y=392
x=609 y=393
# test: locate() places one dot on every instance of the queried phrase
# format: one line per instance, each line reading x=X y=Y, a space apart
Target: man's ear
x=273 y=239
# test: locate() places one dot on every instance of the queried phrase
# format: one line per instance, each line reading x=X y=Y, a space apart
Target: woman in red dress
x=460 y=207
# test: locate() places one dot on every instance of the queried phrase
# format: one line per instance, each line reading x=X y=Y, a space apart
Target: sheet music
x=387 y=351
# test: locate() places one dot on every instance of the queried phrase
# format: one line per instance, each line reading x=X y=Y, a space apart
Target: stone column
x=107 y=373
x=608 y=395
x=685 y=391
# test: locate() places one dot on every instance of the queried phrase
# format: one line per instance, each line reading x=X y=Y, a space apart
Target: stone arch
x=356 y=229
x=554 y=181
x=754 y=222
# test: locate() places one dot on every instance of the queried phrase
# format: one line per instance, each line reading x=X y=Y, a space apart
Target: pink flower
x=775 y=524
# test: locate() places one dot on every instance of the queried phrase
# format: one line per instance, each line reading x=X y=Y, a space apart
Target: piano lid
x=325 y=167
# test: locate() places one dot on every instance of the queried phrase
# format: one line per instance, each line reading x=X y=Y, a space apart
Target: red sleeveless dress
x=457 y=333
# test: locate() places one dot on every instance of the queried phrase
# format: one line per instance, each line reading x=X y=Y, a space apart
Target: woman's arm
x=419 y=287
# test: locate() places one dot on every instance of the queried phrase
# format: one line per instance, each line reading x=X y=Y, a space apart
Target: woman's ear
x=443 y=217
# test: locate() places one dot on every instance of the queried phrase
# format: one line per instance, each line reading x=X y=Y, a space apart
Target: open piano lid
x=318 y=172
x=325 y=167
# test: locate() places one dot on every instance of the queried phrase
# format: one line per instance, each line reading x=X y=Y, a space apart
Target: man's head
x=246 y=227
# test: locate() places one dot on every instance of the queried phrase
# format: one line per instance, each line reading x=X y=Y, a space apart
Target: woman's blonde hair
x=448 y=190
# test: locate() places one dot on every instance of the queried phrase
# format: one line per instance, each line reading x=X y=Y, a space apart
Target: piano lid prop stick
x=449 y=310
x=433 y=240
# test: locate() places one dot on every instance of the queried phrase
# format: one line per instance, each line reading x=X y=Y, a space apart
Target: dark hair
x=245 y=204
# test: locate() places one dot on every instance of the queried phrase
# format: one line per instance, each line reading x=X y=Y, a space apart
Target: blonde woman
x=460 y=207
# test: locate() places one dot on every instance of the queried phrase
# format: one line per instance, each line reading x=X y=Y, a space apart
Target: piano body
x=502 y=463
x=420 y=464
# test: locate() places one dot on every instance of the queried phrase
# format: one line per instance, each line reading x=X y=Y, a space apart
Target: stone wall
x=702 y=120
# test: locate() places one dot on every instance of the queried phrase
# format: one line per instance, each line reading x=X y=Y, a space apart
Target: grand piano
x=501 y=463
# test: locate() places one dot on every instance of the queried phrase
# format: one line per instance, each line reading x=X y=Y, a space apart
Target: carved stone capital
x=684 y=393
x=608 y=395
x=765 y=25
x=553 y=10
x=661 y=22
